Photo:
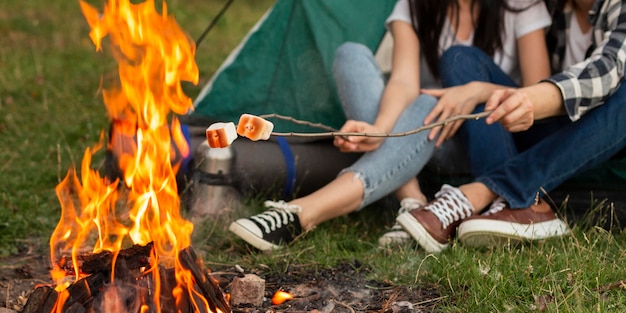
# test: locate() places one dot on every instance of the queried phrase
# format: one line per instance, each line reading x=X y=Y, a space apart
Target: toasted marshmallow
x=254 y=127
x=221 y=135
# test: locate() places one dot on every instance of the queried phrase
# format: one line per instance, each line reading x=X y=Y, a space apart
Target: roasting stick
x=221 y=135
x=332 y=132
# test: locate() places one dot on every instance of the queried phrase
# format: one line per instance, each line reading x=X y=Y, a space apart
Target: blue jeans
x=563 y=154
x=555 y=149
x=486 y=145
x=360 y=85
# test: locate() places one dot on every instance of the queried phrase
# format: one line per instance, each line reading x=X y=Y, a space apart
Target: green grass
x=51 y=111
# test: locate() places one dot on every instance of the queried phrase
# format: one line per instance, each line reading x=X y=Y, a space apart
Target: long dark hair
x=432 y=14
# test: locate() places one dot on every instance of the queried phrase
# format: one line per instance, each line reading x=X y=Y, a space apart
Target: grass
x=51 y=111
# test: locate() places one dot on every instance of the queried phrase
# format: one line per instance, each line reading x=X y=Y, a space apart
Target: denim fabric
x=567 y=152
x=486 y=145
x=360 y=85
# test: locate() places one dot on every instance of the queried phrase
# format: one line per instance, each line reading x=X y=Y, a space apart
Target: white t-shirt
x=577 y=43
x=516 y=25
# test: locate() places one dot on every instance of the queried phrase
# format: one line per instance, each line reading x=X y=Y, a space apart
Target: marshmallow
x=221 y=135
x=254 y=127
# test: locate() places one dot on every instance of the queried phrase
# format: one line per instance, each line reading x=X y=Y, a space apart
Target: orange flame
x=154 y=56
x=280 y=297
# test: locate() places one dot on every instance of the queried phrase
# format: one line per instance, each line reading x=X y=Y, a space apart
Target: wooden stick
x=345 y=134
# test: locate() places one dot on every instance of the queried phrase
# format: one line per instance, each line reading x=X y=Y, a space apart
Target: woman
x=373 y=106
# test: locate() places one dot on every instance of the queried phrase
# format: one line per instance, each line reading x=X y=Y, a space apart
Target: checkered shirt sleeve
x=589 y=83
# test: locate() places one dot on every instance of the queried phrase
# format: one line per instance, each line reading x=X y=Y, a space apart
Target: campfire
x=121 y=245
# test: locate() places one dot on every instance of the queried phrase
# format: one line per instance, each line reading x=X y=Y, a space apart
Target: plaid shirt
x=591 y=82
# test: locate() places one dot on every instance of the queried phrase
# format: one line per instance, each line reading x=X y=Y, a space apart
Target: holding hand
x=512 y=108
x=453 y=101
x=516 y=109
x=358 y=143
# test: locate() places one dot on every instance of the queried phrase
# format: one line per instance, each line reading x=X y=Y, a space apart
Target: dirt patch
x=343 y=288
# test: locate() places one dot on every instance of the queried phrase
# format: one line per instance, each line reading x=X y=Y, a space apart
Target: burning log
x=209 y=287
x=132 y=289
x=133 y=258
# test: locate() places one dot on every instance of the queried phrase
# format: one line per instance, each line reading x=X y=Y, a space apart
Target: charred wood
x=208 y=287
x=133 y=258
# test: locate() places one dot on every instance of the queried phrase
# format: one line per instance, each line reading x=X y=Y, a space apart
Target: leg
x=360 y=82
x=434 y=225
x=373 y=176
x=577 y=147
x=376 y=173
x=486 y=145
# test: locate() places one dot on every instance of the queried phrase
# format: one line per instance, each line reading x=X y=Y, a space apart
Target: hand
x=452 y=101
x=512 y=108
x=358 y=143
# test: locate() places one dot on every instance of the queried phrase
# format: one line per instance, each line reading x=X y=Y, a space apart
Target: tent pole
x=215 y=19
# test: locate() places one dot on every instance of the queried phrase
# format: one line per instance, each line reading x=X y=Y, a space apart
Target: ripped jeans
x=360 y=84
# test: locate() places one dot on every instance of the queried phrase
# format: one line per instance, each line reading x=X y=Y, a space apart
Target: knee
x=456 y=56
x=350 y=52
x=459 y=51
x=461 y=64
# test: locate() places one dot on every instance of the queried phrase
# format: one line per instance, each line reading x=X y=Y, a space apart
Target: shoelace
x=280 y=213
x=496 y=206
x=406 y=205
x=450 y=206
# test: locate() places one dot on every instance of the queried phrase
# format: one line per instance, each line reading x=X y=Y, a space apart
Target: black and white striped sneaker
x=272 y=229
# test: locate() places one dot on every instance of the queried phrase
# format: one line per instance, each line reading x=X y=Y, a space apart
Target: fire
x=154 y=56
x=280 y=297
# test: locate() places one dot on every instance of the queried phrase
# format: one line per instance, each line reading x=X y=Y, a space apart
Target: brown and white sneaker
x=435 y=224
x=501 y=224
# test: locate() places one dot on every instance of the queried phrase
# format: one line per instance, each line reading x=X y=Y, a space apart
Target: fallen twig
x=344 y=305
x=607 y=287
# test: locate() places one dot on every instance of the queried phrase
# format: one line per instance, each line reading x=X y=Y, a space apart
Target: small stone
x=248 y=289
x=403 y=307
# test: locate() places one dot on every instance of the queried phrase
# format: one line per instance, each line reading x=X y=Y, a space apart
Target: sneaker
x=501 y=224
x=271 y=229
x=396 y=235
x=434 y=225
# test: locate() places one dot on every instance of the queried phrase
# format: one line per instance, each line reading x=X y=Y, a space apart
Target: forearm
x=483 y=90
x=547 y=100
x=395 y=99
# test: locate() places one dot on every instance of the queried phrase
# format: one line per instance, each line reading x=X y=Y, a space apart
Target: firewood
x=85 y=289
x=37 y=299
x=208 y=287
x=133 y=258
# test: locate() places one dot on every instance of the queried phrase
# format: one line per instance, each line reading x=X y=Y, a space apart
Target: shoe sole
x=420 y=234
x=251 y=238
x=394 y=238
x=486 y=233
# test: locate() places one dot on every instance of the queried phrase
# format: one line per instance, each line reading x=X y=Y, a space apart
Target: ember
x=141 y=211
x=280 y=297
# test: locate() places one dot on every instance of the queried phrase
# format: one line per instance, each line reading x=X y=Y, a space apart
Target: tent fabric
x=285 y=65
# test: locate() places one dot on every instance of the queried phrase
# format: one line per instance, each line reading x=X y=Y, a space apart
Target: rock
x=249 y=289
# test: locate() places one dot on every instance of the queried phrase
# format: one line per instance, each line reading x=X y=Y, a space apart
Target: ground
x=343 y=288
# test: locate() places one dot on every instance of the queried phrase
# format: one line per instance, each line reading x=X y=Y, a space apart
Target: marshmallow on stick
x=254 y=127
x=221 y=135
